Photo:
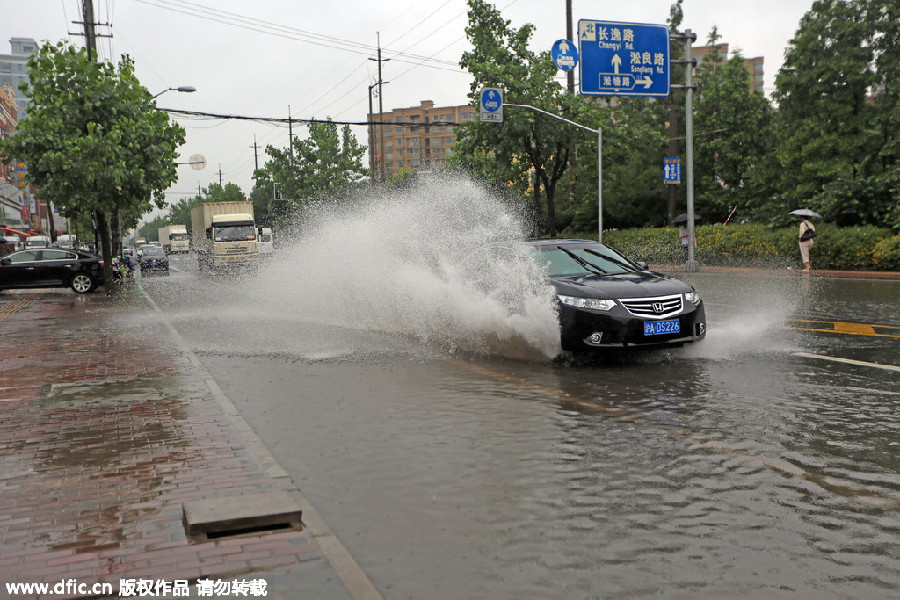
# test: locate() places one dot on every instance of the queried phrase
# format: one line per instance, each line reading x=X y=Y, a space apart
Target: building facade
x=754 y=65
x=423 y=143
x=14 y=69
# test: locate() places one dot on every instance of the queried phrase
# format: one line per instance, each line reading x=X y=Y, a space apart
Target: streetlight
x=180 y=88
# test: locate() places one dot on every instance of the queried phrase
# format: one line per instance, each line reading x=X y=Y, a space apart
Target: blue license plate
x=662 y=327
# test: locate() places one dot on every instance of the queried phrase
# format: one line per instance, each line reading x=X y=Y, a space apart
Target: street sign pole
x=689 y=37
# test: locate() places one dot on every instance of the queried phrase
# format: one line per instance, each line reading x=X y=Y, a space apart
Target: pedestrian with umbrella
x=807 y=233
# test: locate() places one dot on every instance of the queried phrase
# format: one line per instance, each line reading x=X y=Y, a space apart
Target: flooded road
x=399 y=360
x=756 y=464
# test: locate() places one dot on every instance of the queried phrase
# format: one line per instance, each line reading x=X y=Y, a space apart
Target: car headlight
x=693 y=297
x=593 y=303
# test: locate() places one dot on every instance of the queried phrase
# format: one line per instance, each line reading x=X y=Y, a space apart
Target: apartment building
x=423 y=143
x=14 y=69
x=754 y=65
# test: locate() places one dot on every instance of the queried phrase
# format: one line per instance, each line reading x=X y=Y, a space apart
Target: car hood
x=644 y=284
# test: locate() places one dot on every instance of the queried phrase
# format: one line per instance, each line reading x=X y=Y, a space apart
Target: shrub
x=887 y=254
x=757 y=245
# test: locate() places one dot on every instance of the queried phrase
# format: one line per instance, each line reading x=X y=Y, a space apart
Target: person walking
x=807 y=233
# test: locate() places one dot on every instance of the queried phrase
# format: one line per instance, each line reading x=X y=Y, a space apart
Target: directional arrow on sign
x=646 y=81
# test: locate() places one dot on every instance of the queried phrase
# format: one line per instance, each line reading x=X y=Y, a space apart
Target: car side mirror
x=5 y=261
x=642 y=265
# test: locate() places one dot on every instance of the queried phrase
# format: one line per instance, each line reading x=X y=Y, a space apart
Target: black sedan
x=608 y=301
x=46 y=267
x=153 y=259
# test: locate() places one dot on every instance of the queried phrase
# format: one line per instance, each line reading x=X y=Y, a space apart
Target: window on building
x=449 y=139
x=437 y=141
x=415 y=152
x=388 y=156
x=399 y=164
x=413 y=142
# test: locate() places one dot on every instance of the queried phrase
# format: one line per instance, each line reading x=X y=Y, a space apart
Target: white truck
x=224 y=235
x=175 y=239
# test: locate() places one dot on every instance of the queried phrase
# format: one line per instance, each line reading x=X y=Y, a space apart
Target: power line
x=261 y=26
x=282 y=121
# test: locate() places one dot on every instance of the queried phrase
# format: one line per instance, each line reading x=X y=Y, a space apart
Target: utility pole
x=220 y=174
x=570 y=84
x=90 y=34
x=380 y=133
x=689 y=37
x=371 y=138
x=255 y=155
x=290 y=137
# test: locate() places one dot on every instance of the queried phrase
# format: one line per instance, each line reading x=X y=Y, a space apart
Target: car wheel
x=82 y=283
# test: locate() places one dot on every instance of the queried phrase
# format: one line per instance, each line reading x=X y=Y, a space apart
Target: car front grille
x=662 y=306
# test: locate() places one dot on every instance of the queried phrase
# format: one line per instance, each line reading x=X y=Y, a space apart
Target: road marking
x=849 y=361
x=776 y=464
x=867 y=329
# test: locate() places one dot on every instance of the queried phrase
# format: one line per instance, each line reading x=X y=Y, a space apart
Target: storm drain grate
x=234 y=516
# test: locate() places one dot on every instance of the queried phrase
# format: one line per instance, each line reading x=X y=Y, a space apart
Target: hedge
x=756 y=245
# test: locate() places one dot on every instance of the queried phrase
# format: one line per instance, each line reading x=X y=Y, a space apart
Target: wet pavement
x=110 y=424
x=105 y=432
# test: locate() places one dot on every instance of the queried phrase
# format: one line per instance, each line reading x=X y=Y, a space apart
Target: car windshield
x=235 y=233
x=152 y=251
x=566 y=260
x=179 y=237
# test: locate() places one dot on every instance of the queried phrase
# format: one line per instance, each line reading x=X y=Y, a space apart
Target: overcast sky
x=259 y=58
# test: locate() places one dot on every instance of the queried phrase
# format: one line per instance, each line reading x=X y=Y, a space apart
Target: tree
x=324 y=164
x=824 y=117
x=94 y=141
x=527 y=148
x=150 y=229
x=734 y=127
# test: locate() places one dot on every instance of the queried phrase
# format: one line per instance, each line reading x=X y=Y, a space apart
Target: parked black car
x=153 y=259
x=609 y=301
x=51 y=267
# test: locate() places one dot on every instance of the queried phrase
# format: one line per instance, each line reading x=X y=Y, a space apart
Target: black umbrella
x=682 y=218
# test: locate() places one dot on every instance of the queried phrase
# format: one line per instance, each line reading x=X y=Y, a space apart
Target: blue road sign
x=672 y=170
x=623 y=59
x=491 y=100
x=565 y=55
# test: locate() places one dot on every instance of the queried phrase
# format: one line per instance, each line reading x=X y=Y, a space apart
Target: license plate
x=662 y=327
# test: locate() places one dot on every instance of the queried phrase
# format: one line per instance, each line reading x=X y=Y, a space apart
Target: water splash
x=442 y=261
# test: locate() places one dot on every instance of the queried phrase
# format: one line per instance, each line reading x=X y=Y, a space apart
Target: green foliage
x=736 y=138
x=324 y=164
x=524 y=141
x=887 y=254
x=150 y=230
x=94 y=141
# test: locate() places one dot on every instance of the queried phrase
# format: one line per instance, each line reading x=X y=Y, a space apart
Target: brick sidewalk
x=104 y=433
